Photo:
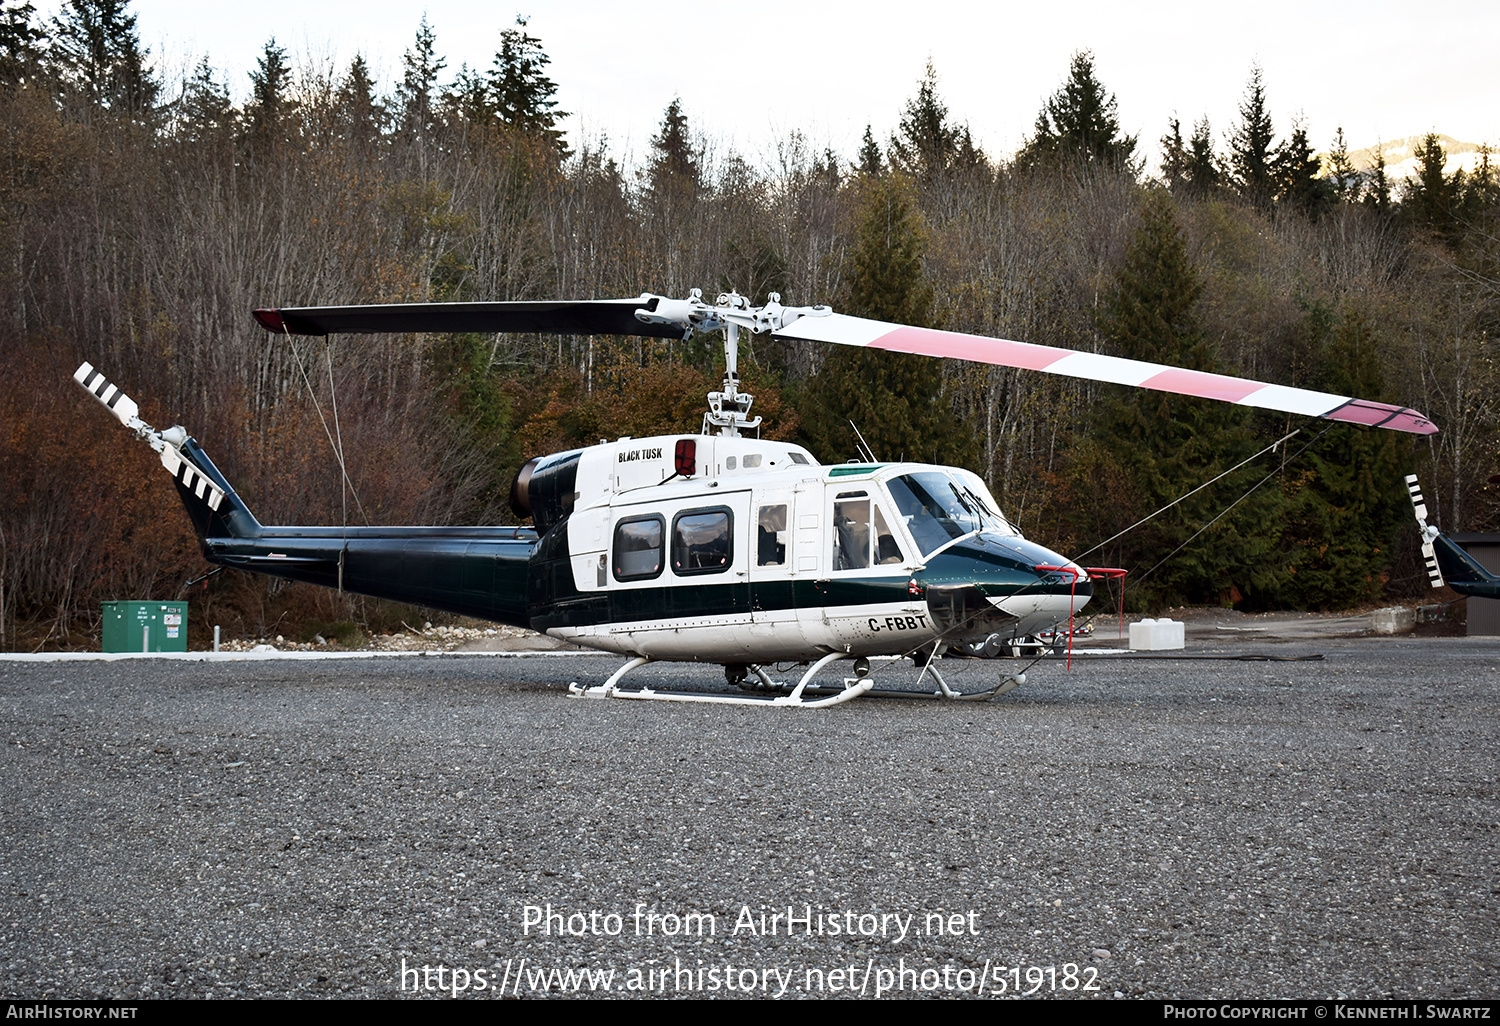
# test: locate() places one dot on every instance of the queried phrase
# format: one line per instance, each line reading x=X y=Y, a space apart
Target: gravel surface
x=1187 y=828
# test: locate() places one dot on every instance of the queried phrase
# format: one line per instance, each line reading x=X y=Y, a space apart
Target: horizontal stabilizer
x=273 y=563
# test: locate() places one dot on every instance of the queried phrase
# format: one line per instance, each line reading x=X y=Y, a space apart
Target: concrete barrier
x=1393 y=620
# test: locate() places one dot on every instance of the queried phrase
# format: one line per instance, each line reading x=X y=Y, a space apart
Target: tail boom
x=472 y=571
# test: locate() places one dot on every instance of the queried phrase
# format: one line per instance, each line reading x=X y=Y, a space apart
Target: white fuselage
x=762 y=555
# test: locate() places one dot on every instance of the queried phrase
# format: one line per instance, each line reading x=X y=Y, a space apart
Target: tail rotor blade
x=1429 y=554
x=118 y=403
x=1417 y=502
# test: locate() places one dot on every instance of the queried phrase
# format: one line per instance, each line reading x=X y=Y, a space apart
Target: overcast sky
x=749 y=74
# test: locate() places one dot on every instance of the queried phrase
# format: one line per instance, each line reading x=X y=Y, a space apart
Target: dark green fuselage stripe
x=506 y=576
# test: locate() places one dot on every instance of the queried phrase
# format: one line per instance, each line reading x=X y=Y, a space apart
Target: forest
x=140 y=226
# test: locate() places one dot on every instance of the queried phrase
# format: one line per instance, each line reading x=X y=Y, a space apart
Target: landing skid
x=1006 y=685
x=852 y=688
x=796 y=696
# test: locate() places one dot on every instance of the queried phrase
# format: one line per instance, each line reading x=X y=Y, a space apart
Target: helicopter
x=1447 y=563
x=715 y=547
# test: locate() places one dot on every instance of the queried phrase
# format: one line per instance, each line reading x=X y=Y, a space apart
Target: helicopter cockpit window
x=886 y=548
x=797 y=457
x=851 y=531
x=638 y=544
x=701 y=542
x=770 y=536
x=853 y=517
x=938 y=508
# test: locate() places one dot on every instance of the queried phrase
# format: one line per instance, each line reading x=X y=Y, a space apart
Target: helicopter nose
x=989 y=584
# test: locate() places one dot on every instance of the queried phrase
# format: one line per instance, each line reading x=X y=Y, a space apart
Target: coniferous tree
x=362 y=115
x=205 y=112
x=1152 y=308
x=885 y=276
x=416 y=92
x=825 y=172
x=1378 y=191
x=20 y=43
x=469 y=99
x=1252 y=148
x=1345 y=506
x=99 y=53
x=1174 y=157
x=1301 y=186
x=269 y=111
x=675 y=167
x=1163 y=445
x=1477 y=204
x=1079 y=125
x=969 y=157
x=927 y=144
x=896 y=401
x=1430 y=194
x=870 y=161
x=1342 y=174
x=522 y=92
x=1202 y=171
x=1478 y=214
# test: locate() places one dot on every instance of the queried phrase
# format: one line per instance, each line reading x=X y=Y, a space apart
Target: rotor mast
x=729 y=408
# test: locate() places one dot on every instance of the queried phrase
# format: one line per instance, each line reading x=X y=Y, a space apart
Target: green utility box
x=145 y=626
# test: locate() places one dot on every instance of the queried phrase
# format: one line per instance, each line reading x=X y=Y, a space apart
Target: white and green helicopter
x=714 y=546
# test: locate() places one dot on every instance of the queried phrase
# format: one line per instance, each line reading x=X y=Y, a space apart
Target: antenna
x=869 y=453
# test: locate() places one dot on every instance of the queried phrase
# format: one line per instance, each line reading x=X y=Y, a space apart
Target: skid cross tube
x=834 y=696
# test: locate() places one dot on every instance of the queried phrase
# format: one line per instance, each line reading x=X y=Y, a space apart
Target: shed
x=1484 y=613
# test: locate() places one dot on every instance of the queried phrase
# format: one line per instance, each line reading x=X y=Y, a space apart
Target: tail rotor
x=168 y=444
x=1429 y=534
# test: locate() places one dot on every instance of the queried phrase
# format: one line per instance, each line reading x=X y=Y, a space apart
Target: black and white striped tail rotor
x=1419 y=506
x=168 y=444
x=121 y=405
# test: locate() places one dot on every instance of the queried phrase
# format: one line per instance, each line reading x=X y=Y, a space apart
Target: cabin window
x=752 y=461
x=729 y=463
x=638 y=544
x=701 y=542
x=770 y=536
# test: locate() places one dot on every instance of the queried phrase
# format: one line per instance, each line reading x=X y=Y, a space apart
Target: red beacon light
x=686 y=457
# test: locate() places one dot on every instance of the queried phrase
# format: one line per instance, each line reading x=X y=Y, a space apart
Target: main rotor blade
x=585 y=317
x=858 y=331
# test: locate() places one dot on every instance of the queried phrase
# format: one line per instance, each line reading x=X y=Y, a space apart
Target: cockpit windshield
x=939 y=507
